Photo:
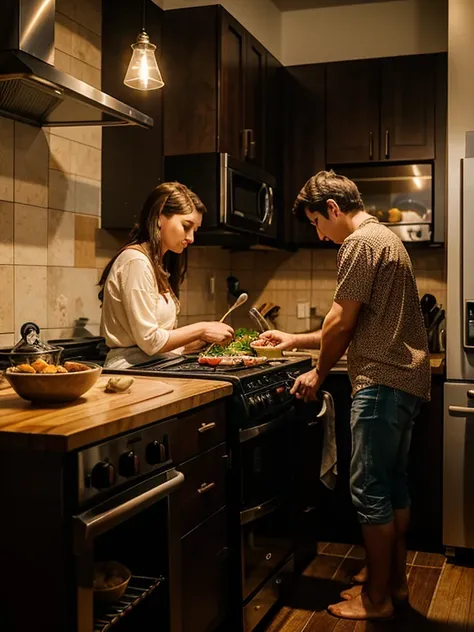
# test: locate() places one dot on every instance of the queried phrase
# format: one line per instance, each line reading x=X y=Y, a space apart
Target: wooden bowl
x=111 y=595
x=54 y=387
x=270 y=352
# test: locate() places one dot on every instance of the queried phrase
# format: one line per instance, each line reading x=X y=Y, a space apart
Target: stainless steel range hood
x=33 y=91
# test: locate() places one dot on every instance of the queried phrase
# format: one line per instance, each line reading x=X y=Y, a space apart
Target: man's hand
x=278 y=339
x=306 y=386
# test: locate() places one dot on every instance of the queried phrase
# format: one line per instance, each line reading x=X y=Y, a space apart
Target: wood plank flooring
x=441 y=595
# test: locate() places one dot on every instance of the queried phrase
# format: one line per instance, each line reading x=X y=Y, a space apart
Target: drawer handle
x=206 y=487
x=206 y=427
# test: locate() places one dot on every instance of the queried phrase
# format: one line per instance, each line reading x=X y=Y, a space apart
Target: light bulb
x=143 y=72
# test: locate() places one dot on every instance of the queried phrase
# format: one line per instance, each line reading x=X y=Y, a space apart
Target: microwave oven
x=239 y=197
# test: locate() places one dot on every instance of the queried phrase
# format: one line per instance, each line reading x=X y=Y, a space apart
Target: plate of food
x=238 y=353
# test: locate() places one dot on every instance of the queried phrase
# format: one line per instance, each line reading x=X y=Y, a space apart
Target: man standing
x=376 y=313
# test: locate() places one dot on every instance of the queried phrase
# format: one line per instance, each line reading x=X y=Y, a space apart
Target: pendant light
x=143 y=72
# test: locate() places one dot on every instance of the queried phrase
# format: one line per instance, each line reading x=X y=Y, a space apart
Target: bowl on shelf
x=53 y=387
x=110 y=582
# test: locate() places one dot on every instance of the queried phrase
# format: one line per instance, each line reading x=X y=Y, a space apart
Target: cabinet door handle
x=205 y=427
x=470 y=394
x=206 y=487
x=252 y=145
x=387 y=144
x=245 y=142
x=371 y=146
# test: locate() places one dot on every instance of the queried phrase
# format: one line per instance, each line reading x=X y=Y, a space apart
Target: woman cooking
x=140 y=285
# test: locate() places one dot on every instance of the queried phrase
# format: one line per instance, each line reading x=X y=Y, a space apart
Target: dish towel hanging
x=327 y=417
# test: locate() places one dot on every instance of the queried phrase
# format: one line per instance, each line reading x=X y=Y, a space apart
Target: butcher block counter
x=99 y=415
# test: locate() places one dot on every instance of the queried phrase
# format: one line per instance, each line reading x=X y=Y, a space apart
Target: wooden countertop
x=98 y=415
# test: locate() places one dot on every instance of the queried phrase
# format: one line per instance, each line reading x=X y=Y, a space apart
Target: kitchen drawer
x=205 y=573
x=203 y=490
x=198 y=432
x=268 y=596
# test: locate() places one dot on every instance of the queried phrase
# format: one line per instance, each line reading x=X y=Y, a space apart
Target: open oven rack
x=138 y=589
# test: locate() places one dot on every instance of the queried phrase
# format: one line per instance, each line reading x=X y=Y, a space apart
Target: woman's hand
x=217 y=333
x=306 y=386
x=278 y=339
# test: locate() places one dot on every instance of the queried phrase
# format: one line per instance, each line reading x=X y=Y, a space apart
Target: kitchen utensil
x=428 y=303
x=433 y=330
x=31 y=348
x=258 y=319
x=240 y=301
x=54 y=387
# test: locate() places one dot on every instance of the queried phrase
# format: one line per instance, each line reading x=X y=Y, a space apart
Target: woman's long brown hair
x=168 y=199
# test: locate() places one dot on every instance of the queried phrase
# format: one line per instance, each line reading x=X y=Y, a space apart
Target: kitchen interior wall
x=360 y=31
x=50 y=200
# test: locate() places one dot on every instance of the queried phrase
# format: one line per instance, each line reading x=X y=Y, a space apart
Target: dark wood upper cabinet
x=132 y=157
x=232 y=137
x=352 y=106
x=274 y=112
x=216 y=89
x=303 y=119
x=381 y=109
x=255 y=102
x=407 y=116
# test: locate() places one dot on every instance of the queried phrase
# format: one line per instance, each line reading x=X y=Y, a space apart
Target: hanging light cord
x=143 y=16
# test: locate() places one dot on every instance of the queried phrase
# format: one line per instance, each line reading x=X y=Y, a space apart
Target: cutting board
x=92 y=403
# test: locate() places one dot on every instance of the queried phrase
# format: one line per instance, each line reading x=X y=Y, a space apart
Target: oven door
x=266 y=459
x=266 y=542
x=249 y=205
x=130 y=528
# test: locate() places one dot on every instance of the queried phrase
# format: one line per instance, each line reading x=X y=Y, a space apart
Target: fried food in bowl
x=53 y=383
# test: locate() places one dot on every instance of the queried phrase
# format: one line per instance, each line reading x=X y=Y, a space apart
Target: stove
x=258 y=391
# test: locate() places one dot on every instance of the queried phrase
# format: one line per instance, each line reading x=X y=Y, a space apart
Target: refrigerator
x=458 y=466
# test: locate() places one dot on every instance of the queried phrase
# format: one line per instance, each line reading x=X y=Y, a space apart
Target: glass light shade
x=143 y=72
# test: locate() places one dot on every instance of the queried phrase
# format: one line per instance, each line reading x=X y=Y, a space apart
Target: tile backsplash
x=309 y=276
x=50 y=183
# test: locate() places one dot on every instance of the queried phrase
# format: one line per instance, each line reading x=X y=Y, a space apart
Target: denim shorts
x=381 y=427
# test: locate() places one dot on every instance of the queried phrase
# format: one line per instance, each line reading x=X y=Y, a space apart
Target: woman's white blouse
x=134 y=313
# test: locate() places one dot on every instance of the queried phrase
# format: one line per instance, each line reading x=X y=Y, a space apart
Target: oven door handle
x=250 y=433
x=460 y=411
x=96 y=521
x=254 y=513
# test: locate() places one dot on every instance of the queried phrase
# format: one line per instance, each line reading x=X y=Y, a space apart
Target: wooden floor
x=441 y=595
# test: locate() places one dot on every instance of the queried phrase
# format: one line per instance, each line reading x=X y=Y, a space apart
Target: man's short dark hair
x=324 y=186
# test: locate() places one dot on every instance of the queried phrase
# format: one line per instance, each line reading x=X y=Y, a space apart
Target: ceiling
x=296 y=5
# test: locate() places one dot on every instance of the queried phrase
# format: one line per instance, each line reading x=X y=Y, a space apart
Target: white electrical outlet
x=212 y=285
x=302 y=310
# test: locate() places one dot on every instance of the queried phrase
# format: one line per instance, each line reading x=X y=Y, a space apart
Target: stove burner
x=195 y=367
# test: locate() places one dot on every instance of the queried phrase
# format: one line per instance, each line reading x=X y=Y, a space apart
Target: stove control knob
x=253 y=406
x=103 y=475
x=156 y=453
x=129 y=464
x=268 y=399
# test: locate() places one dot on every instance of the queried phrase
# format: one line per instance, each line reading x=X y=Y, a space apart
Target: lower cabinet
x=205 y=577
x=199 y=557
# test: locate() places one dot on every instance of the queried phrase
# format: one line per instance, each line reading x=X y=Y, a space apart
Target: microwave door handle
x=268 y=214
x=90 y=524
